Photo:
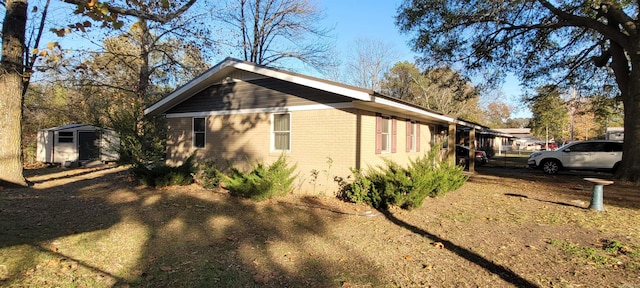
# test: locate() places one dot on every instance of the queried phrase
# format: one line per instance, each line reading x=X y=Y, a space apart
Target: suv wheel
x=615 y=167
x=550 y=166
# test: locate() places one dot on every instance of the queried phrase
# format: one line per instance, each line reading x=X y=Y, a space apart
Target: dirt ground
x=504 y=228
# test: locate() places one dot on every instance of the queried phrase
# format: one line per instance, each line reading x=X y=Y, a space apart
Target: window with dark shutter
x=412 y=136
x=385 y=134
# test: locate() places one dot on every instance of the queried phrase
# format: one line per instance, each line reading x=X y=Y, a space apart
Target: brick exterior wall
x=324 y=141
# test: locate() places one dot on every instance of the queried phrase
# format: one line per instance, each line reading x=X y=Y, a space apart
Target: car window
x=613 y=147
x=590 y=147
x=598 y=147
x=581 y=147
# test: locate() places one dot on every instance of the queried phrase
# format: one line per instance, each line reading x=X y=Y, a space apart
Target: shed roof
x=73 y=127
x=66 y=127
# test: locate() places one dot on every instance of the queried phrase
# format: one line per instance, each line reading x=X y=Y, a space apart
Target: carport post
x=596 y=197
x=451 y=149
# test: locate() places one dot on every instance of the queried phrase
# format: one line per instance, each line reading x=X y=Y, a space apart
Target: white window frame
x=435 y=134
x=274 y=132
x=414 y=137
x=386 y=137
x=194 y=132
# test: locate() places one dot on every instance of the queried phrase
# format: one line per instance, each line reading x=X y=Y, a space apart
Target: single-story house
x=239 y=113
x=77 y=144
x=492 y=141
x=522 y=139
x=615 y=133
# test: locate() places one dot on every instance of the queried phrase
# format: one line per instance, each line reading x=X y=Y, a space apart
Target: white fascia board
x=470 y=125
x=424 y=112
x=190 y=85
x=188 y=89
x=353 y=93
x=412 y=109
x=342 y=105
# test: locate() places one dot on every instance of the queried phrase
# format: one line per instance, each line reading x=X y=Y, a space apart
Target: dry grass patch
x=99 y=228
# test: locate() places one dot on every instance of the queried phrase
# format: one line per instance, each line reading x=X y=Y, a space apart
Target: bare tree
x=12 y=65
x=370 y=60
x=497 y=114
x=270 y=31
x=440 y=89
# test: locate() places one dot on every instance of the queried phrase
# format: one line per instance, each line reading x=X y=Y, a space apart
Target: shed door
x=87 y=146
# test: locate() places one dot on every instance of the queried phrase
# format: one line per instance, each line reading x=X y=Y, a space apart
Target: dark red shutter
x=408 y=138
x=378 y=134
x=393 y=134
x=417 y=137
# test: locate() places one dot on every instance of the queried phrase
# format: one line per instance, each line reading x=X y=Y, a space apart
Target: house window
x=434 y=135
x=199 y=128
x=65 y=137
x=385 y=134
x=281 y=132
x=413 y=136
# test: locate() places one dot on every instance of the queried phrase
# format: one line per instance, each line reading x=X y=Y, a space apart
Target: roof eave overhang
x=224 y=68
x=420 y=112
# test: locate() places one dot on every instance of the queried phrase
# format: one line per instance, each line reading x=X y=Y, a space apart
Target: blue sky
x=366 y=19
x=353 y=19
x=375 y=19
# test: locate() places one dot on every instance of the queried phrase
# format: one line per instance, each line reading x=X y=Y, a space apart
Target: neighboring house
x=522 y=139
x=489 y=140
x=615 y=133
x=239 y=113
x=76 y=143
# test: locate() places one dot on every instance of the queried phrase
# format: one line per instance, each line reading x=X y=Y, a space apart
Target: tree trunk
x=11 y=85
x=10 y=129
x=630 y=168
x=143 y=76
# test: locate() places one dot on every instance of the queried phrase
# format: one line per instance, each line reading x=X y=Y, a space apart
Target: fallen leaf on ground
x=261 y=278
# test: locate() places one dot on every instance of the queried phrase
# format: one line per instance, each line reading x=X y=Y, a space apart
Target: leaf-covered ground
x=504 y=228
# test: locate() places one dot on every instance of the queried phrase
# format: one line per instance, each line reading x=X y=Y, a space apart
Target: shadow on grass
x=568 y=184
x=501 y=271
x=119 y=234
x=546 y=201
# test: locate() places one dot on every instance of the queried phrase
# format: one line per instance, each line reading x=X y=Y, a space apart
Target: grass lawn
x=503 y=228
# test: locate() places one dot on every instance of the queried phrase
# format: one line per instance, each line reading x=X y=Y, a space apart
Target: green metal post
x=596 y=198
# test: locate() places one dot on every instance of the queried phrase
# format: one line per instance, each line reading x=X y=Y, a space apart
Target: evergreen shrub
x=393 y=185
x=162 y=175
x=262 y=182
x=208 y=176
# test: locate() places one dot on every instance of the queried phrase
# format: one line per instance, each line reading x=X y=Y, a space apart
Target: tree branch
x=163 y=19
x=570 y=20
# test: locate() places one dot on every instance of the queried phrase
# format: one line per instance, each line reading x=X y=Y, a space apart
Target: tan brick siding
x=324 y=141
x=371 y=159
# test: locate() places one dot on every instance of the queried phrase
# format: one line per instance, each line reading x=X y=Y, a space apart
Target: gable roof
x=224 y=69
x=72 y=127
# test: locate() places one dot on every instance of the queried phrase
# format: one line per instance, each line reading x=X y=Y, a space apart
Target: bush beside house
x=387 y=185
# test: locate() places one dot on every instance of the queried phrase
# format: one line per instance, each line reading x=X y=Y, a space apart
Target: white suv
x=581 y=155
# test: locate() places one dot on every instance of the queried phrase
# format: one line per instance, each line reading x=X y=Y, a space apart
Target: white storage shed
x=79 y=143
